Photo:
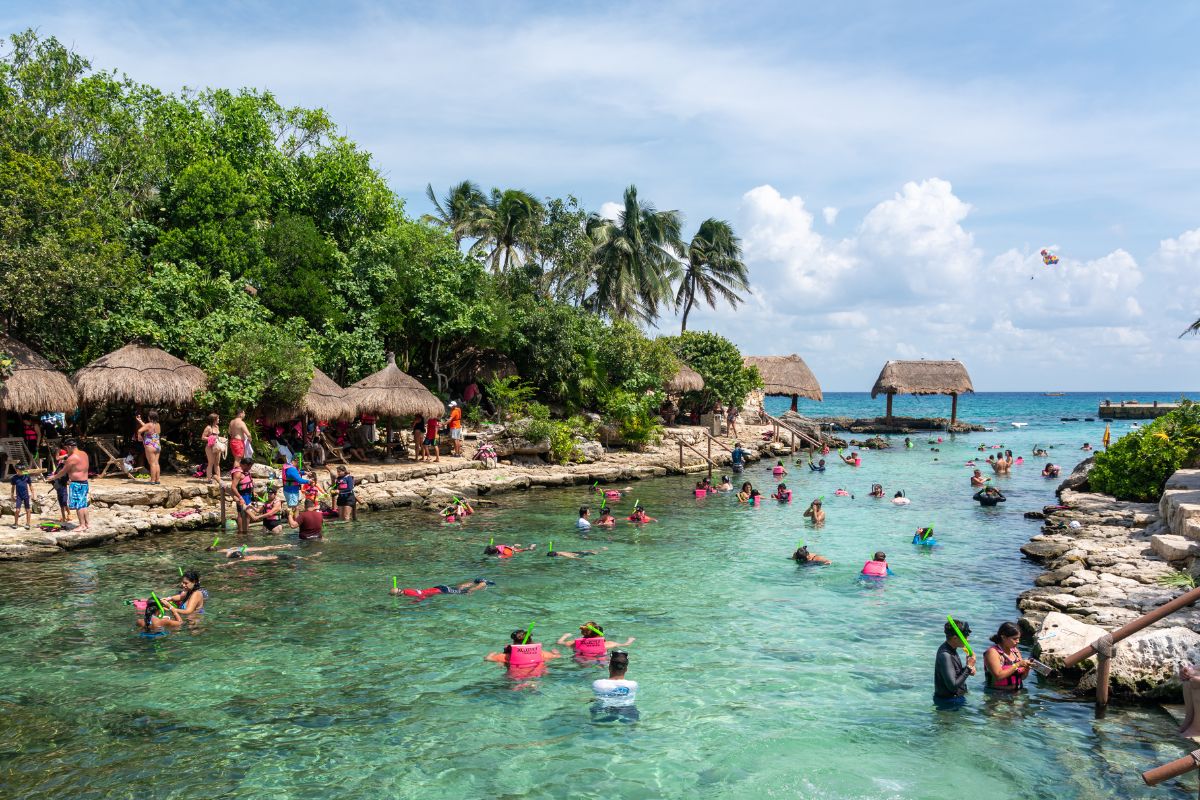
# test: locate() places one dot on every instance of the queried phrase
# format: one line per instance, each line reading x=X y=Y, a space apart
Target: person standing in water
x=949 y=673
x=738 y=457
x=616 y=696
x=1004 y=667
x=815 y=512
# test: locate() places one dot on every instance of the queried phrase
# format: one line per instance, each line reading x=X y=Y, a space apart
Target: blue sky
x=893 y=169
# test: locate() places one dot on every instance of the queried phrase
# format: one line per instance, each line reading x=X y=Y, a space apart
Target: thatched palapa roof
x=325 y=400
x=685 y=380
x=140 y=376
x=35 y=386
x=391 y=393
x=786 y=376
x=923 y=377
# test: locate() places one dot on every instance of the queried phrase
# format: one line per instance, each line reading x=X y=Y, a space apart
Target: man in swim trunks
x=815 y=512
x=977 y=479
x=75 y=468
x=239 y=435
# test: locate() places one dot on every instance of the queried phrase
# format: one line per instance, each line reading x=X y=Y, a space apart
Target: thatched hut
x=390 y=393
x=139 y=375
x=685 y=379
x=923 y=377
x=34 y=386
x=324 y=400
x=786 y=376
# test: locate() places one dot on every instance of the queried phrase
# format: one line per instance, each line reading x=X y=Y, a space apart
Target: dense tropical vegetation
x=1137 y=466
x=255 y=241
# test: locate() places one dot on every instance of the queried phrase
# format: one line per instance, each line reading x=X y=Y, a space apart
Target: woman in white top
x=615 y=696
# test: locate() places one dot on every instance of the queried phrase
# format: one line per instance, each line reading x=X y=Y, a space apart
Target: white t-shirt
x=583 y=524
x=615 y=693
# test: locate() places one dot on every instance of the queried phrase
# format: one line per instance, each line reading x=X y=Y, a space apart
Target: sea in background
x=758 y=678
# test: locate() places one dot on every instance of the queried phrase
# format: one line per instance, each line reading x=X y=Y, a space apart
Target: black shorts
x=347 y=500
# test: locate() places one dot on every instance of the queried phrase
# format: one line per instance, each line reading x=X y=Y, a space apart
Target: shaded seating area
x=29 y=386
x=684 y=380
x=786 y=376
x=923 y=378
x=324 y=401
x=390 y=394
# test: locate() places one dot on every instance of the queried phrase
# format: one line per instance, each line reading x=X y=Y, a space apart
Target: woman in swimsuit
x=270 y=514
x=210 y=435
x=150 y=432
x=191 y=599
x=1004 y=666
x=242 y=484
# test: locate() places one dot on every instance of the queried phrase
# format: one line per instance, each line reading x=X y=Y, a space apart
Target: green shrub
x=509 y=396
x=635 y=415
x=726 y=377
x=1137 y=465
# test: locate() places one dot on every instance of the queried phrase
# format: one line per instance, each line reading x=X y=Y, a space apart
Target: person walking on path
x=239 y=436
x=456 y=429
x=75 y=468
x=149 y=433
x=431 y=438
x=211 y=436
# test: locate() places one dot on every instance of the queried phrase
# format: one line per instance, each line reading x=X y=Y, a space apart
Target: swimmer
x=1037 y=451
x=576 y=554
x=706 y=484
x=591 y=642
x=1050 y=471
x=981 y=448
x=876 y=490
x=779 y=470
x=583 y=523
x=744 y=495
x=853 y=459
x=818 y=467
x=523 y=660
x=877 y=567
x=1086 y=446
x=244 y=552
x=466 y=587
x=506 y=550
x=782 y=493
x=924 y=536
x=802 y=556
x=977 y=479
x=841 y=493
x=150 y=622
x=237 y=556
x=908 y=442
x=639 y=516
x=606 y=520
x=815 y=512
x=900 y=500
x=615 y=696
x=725 y=485
x=989 y=497
x=191 y=599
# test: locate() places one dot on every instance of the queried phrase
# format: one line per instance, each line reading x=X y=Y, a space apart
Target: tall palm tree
x=458 y=211
x=507 y=227
x=635 y=259
x=714 y=268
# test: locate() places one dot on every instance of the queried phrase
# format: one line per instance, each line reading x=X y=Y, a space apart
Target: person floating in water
x=575 y=554
x=190 y=599
x=607 y=520
x=852 y=459
x=877 y=567
x=615 y=697
x=805 y=558
x=815 y=512
x=990 y=496
x=506 y=550
x=591 y=642
x=166 y=619
x=466 y=587
x=924 y=537
x=899 y=499
x=908 y=443
x=1086 y=446
x=523 y=659
x=1039 y=451
x=949 y=673
x=747 y=490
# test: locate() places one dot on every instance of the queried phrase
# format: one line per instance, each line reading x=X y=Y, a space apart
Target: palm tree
x=507 y=227
x=458 y=211
x=635 y=259
x=714 y=268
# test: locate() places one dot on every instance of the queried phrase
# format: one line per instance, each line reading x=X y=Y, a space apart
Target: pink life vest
x=785 y=496
x=612 y=494
x=778 y=470
x=858 y=462
x=757 y=499
x=523 y=655
x=701 y=493
x=875 y=569
x=590 y=646
x=1013 y=681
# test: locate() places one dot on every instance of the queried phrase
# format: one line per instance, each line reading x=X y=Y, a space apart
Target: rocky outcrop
x=900 y=425
x=1077 y=480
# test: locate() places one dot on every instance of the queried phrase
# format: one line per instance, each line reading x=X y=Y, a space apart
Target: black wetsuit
x=949 y=674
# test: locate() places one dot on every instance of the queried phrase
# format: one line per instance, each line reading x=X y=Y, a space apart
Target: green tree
x=459 y=211
x=260 y=366
x=726 y=377
x=297 y=278
x=635 y=259
x=564 y=251
x=507 y=228
x=713 y=269
x=633 y=362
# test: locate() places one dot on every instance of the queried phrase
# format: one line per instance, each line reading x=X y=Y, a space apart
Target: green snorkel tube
x=966 y=644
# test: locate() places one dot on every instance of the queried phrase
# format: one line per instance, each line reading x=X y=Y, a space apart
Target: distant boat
x=1019 y=424
x=1054 y=394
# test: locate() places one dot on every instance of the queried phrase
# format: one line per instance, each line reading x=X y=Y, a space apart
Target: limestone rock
x=1060 y=636
x=1042 y=550
x=1174 y=548
x=1145 y=665
x=1077 y=480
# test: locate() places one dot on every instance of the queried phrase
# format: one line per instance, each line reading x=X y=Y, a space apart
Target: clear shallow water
x=757 y=677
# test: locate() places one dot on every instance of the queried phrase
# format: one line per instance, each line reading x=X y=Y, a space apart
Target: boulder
x=1077 y=480
x=1146 y=664
x=591 y=451
x=1044 y=549
x=1174 y=548
x=1060 y=636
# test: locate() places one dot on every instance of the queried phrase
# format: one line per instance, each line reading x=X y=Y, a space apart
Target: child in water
x=877 y=567
x=606 y=520
x=639 y=516
x=779 y=470
x=725 y=485
x=782 y=494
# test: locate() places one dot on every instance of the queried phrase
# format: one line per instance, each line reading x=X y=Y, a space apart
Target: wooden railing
x=812 y=443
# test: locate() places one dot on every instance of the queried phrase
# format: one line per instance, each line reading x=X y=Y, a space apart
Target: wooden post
x=889 y=406
x=1103 y=671
x=710 y=457
x=796 y=403
x=953 y=408
x=681 y=454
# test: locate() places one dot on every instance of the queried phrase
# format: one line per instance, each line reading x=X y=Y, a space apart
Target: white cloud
x=611 y=210
x=830 y=214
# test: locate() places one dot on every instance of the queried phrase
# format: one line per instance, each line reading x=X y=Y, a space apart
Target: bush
x=1137 y=465
x=719 y=362
x=636 y=416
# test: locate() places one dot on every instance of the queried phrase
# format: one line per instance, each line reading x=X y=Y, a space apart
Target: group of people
x=70 y=479
x=1005 y=669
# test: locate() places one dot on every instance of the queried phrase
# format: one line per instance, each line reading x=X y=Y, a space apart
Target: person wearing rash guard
x=877 y=567
x=738 y=457
x=804 y=558
x=523 y=660
x=506 y=550
x=615 y=696
x=591 y=642
x=989 y=497
x=817 y=467
x=292 y=481
x=949 y=674
x=466 y=587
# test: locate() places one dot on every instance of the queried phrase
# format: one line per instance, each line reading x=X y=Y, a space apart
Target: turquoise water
x=757 y=677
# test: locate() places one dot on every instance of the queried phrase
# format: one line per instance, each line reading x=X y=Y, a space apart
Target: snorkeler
x=591 y=642
x=877 y=567
x=818 y=467
x=899 y=499
x=779 y=470
x=782 y=494
x=815 y=512
x=852 y=460
x=524 y=660
x=924 y=537
x=949 y=674
x=639 y=516
x=803 y=557
x=506 y=550
x=191 y=599
x=574 y=554
x=607 y=520
x=466 y=587
x=876 y=490
x=167 y=617
x=989 y=497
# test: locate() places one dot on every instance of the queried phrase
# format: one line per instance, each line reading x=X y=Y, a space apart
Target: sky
x=893 y=169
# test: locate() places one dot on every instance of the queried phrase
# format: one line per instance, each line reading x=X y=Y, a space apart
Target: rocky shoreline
x=124 y=509
x=1106 y=562
x=896 y=425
